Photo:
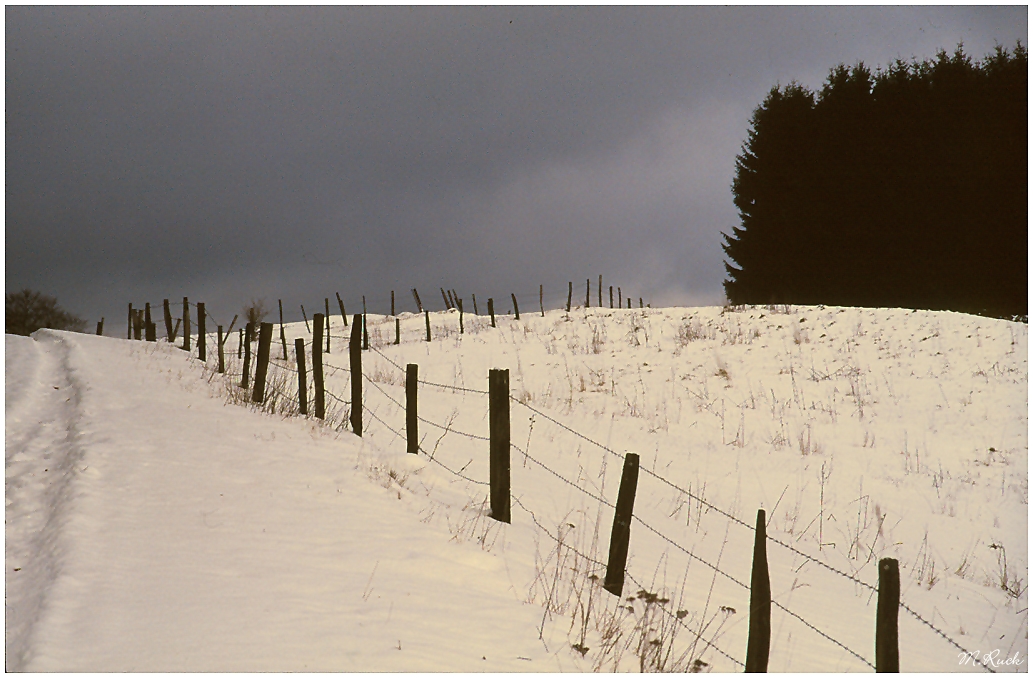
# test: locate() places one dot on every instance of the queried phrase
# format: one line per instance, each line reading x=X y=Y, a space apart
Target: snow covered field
x=153 y=523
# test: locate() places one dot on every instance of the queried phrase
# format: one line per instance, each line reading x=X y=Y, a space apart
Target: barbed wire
x=426 y=421
x=628 y=574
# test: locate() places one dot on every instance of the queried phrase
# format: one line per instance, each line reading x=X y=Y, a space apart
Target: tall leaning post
x=620 y=535
x=245 y=370
x=340 y=303
x=355 y=360
x=758 y=643
x=169 y=335
x=317 y=364
x=498 y=427
x=186 y=324
x=412 y=434
x=299 y=352
x=516 y=308
x=202 y=343
x=222 y=352
x=887 y=656
x=283 y=335
x=265 y=340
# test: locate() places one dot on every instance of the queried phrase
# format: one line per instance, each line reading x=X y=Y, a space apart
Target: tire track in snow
x=42 y=458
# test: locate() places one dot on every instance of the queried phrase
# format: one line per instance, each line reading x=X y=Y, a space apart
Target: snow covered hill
x=156 y=522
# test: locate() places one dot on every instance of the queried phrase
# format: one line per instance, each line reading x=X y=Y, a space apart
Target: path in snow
x=185 y=534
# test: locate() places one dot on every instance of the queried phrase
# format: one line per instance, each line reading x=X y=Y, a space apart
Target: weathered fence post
x=222 y=353
x=460 y=304
x=640 y=302
x=516 y=309
x=620 y=535
x=570 y=294
x=246 y=365
x=175 y=331
x=398 y=331
x=611 y=296
x=186 y=324
x=129 y=333
x=340 y=303
x=265 y=340
x=100 y=327
x=138 y=325
x=169 y=335
x=498 y=432
x=474 y=297
x=365 y=330
x=305 y=316
x=392 y=302
x=283 y=336
x=448 y=304
x=151 y=332
x=588 y=292
x=355 y=355
x=759 y=640
x=326 y=306
x=416 y=297
x=317 y=364
x=426 y=315
x=147 y=320
x=629 y=302
x=299 y=353
x=491 y=310
x=887 y=658
x=541 y=299
x=240 y=342
x=412 y=435
x=600 y=290
x=202 y=339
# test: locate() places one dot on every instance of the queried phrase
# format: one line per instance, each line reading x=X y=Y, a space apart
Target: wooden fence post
x=611 y=296
x=175 y=331
x=640 y=302
x=265 y=340
x=416 y=297
x=129 y=333
x=516 y=308
x=412 y=435
x=491 y=310
x=169 y=335
x=283 y=336
x=629 y=302
x=326 y=306
x=246 y=371
x=305 y=316
x=100 y=327
x=448 y=304
x=474 y=297
x=451 y=299
x=588 y=292
x=299 y=352
x=620 y=300
x=186 y=324
x=541 y=299
x=570 y=294
x=498 y=427
x=398 y=331
x=460 y=304
x=355 y=355
x=392 y=302
x=240 y=342
x=340 y=303
x=138 y=324
x=222 y=353
x=365 y=330
x=759 y=640
x=202 y=339
x=620 y=535
x=317 y=364
x=147 y=320
x=600 y=290
x=887 y=658
x=151 y=332
x=426 y=314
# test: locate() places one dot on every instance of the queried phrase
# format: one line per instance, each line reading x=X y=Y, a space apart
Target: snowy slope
x=182 y=532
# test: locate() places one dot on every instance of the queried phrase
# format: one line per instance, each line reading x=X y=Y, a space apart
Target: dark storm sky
x=291 y=153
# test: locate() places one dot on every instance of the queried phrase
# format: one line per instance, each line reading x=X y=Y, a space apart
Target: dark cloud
x=228 y=153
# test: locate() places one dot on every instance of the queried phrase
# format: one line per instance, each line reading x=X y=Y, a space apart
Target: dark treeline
x=903 y=188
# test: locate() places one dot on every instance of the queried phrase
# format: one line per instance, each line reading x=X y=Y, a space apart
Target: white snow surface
x=157 y=521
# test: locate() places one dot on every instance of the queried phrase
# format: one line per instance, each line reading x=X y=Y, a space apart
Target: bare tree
x=255 y=312
x=28 y=311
